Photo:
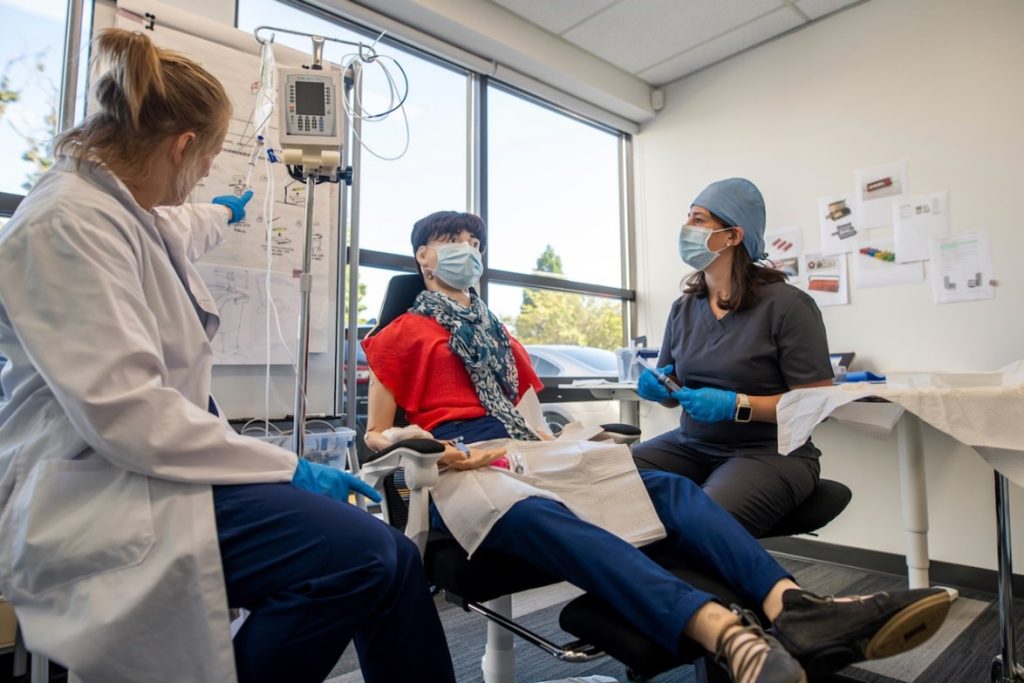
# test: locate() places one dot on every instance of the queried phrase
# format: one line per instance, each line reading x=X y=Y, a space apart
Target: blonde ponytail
x=146 y=94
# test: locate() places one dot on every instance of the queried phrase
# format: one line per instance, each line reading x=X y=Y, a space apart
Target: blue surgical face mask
x=693 y=246
x=459 y=265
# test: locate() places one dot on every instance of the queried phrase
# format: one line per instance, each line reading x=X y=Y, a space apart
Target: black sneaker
x=826 y=635
x=740 y=656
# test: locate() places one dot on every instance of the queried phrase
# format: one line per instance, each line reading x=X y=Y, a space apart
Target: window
x=31 y=63
x=555 y=255
x=432 y=174
x=553 y=192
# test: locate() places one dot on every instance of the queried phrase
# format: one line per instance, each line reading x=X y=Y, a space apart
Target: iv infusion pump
x=310 y=106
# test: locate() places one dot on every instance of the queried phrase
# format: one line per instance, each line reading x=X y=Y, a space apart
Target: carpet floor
x=961 y=652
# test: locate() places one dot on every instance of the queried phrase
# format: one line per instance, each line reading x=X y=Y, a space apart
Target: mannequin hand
x=236 y=204
x=707 y=404
x=471 y=459
x=330 y=482
x=648 y=386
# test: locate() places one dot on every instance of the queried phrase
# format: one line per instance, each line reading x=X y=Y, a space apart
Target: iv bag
x=266 y=96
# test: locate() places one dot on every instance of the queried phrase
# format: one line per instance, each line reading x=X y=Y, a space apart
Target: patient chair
x=485 y=584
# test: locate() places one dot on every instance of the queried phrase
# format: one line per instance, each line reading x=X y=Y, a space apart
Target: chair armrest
x=418 y=457
x=619 y=433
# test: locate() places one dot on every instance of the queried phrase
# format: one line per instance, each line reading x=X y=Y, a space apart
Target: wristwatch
x=743 y=410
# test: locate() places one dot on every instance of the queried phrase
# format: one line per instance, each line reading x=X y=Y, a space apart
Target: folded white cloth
x=982 y=410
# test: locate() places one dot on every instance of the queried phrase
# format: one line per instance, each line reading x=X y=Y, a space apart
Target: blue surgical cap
x=738 y=202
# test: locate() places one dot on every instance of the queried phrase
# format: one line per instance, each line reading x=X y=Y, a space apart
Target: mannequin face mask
x=693 y=246
x=459 y=265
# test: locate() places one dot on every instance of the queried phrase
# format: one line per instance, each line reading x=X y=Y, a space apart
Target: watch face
x=743 y=413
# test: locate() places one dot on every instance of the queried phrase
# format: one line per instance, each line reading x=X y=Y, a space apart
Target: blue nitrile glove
x=648 y=386
x=235 y=203
x=707 y=404
x=331 y=482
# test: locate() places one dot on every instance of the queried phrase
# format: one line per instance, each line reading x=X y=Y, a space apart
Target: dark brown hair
x=747 y=279
x=146 y=94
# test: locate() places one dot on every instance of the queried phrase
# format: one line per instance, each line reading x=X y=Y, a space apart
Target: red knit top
x=411 y=357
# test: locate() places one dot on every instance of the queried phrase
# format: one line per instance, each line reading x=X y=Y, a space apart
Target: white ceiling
x=660 y=41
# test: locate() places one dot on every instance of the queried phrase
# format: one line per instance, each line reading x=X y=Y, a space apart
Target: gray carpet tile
x=961 y=653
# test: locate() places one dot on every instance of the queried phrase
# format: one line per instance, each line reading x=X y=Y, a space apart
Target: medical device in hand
x=663 y=379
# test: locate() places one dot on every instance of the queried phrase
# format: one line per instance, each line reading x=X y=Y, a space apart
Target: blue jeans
x=548 y=535
x=316 y=573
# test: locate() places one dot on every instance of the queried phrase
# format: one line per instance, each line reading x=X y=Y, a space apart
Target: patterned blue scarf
x=480 y=341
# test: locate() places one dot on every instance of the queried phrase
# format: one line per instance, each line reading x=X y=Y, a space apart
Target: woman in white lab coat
x=131 y=515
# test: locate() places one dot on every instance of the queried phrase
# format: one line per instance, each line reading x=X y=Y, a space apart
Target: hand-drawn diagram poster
x=237 y=271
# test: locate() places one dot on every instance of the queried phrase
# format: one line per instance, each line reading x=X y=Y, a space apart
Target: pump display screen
x=309 y=98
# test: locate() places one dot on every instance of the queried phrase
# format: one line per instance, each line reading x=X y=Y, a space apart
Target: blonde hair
x=146 y=94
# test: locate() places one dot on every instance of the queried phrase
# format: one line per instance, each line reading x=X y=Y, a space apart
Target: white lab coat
x=108 y=542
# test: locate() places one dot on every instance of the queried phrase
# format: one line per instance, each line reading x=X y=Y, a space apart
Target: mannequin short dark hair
x=447 y=224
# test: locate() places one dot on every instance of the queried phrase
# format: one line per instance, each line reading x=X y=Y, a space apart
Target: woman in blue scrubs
x=736 y=340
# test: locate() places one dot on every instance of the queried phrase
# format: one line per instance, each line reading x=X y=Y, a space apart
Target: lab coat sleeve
x=73 y=294
x=201 y=226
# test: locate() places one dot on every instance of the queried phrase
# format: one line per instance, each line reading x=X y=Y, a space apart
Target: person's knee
x=676 y=486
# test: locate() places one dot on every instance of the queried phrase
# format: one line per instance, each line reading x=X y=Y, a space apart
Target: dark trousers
x=758 y=490
x=316 y=573
x=547 y=535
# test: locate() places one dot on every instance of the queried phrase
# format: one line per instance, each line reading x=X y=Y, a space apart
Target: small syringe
x=663 y=379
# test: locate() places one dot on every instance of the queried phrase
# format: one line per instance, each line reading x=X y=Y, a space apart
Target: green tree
x=38 y=140
x=549 y=317
x=549 y=261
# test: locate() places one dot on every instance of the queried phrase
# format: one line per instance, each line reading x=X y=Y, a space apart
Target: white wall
x=936 y=82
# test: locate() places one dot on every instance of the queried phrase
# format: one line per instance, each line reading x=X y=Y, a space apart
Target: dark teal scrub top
x=767 y=349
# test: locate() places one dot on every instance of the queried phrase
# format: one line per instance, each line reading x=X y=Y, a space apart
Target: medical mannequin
x=455 y=370
x=131 y=515
x=737 y=339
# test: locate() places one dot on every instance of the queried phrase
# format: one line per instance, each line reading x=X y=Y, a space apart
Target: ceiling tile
x=735 y=41
x=816 y=9
x=636 y=34
x=554 y=15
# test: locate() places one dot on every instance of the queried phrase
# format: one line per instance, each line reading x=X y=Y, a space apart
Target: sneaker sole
x=909 y=627
x=905 y=630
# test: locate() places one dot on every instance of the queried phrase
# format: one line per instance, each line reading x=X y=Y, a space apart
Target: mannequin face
x=426 y=255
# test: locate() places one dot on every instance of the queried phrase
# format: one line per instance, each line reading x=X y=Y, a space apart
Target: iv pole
x=312 y=176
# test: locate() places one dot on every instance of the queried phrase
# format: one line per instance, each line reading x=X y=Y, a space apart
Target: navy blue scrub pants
x=547 y=535
x=316 y=573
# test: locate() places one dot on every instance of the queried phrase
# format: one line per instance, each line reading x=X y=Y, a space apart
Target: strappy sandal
x=739 y=659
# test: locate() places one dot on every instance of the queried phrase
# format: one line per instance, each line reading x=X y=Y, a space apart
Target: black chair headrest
x=398 y=298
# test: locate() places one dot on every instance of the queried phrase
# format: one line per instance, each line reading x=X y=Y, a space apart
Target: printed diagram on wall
x=784 y=248
x=837 y=216
x=876 y=265
x=241 y=296
x=243 y=253
x=826 y=278
x=918 y=219
x=877 y=188
x=961 y=268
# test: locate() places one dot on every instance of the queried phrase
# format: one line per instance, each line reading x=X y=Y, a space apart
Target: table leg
x=629 y=412
x=913 y=498
x=1005 y=668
